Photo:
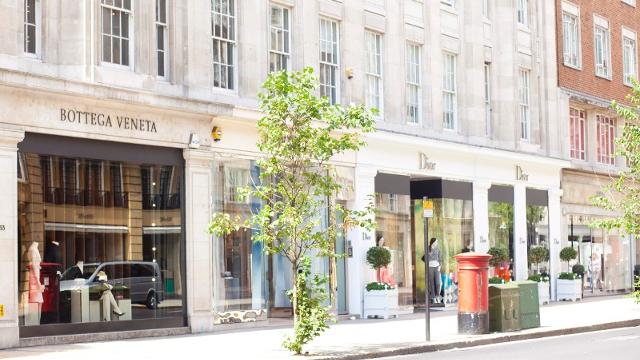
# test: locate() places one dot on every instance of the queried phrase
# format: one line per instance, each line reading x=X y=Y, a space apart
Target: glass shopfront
x=501 y=218
x=537 y=230
x=100 y=234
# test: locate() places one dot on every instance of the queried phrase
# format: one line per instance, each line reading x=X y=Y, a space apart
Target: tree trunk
x=294 y=296
x=333 y=267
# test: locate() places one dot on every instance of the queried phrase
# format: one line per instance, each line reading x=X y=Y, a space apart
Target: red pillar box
x=473 y=293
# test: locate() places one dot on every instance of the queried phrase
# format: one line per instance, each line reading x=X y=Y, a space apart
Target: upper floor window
x=31 y=26
x=449 y=92
x=485 y=9
x=374 y=70
x=330 y=60
x=577 y=133
x=487 y=98
x=629 y=56
x=116 y=27
x=524 y=92
x=571 y=39
x=161 y=37
x=451 y=3
x=522 y=10
x=605 y=141
x=223 y=34
x=414 y=94
x=630 y=2
x=280 y=39
x=602 y=47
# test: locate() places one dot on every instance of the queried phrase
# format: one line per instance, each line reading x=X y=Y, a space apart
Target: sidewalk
x=348 y=339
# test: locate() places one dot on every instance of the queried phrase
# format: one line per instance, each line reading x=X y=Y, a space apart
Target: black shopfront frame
x=45 y=144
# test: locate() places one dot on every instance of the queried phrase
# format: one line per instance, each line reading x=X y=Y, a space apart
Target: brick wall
x=585 y=81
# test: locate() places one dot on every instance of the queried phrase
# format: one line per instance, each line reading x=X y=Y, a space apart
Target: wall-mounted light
x=349 y=73
x=216 y=133
x=194 y=141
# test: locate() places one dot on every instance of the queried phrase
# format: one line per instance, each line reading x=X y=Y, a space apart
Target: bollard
x=473 y=293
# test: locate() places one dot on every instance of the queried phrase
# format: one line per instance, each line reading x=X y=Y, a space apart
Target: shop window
x=89 y=250
x=501 y=218
x=537 y=219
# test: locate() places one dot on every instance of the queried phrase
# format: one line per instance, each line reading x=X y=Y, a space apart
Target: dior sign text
x=99 y=119
x=2 y=227
x=425 y=164
x=521 y=175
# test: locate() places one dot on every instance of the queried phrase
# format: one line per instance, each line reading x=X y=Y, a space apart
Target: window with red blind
x=577 y=133
x=606 y=133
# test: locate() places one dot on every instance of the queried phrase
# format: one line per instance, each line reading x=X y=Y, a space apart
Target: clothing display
x=107 y=294
x=35 y=287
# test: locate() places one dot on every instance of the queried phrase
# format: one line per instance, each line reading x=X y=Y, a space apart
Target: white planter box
x=381 y=303
x=543 y=292
x=569 y=289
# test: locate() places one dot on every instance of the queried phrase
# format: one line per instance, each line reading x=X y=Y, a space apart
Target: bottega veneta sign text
x=107 y=120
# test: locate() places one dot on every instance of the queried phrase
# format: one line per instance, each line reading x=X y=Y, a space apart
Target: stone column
x=199 y=246
x=555 y=240
x=520 y=231
x=9 y=139
x=481 y=216
x=361 y=240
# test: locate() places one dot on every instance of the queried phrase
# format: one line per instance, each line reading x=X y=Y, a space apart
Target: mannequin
x=76 y=271
x=435 y=281
x=52 y=252
x=35 y=287
x=384 y=273
x=107 y=294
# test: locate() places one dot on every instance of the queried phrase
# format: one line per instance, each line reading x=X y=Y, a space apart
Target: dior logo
x=425 y=164
x=521 y=175
x=3 y=227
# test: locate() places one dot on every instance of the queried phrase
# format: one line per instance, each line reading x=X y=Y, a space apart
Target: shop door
x=341 y=270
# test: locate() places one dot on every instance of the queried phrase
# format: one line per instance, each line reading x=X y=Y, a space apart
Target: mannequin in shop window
x=35 y=287
x=384 y=273
x=435 y=281
x=107 y=294
x=75 y=272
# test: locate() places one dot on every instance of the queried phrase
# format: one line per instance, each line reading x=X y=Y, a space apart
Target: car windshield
x=73 y=272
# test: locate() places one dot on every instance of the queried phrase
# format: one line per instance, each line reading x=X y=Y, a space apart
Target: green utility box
x=504 y=307
x=529 y=305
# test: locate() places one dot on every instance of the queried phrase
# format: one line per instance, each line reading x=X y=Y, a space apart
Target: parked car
x=143 y=278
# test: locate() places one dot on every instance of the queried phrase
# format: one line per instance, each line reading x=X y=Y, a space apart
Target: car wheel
x=152 y=301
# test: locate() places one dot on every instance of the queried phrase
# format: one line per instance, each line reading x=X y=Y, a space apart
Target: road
x=620 y=344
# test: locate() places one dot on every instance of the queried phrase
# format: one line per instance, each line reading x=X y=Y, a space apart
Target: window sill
x=629 y=85
x=108 y=65
x=31 y=56
x=574 y=67
x=524 y=28
x=603 y=77
x=448 y=8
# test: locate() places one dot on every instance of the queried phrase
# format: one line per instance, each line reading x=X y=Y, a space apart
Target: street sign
x=427 y=208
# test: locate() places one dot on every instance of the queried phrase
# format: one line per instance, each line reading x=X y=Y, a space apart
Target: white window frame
x=629 y=56
x=571 y=45
x=413 y=106
x=374 y=71
x=487 y=97
x=577 y=131
x=601 y=29
x=449 y=92
x=522 y=12
x=121 y=37
x=605 y=139
x=486 y=9
x=630 y=2
x=330 y=62
x=524 y=103
x=37 y=24
x=281 y=48
x=451 y=3
x=230 y=41
x=162 y=26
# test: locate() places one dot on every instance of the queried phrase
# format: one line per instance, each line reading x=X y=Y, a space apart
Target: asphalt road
x=620 y=344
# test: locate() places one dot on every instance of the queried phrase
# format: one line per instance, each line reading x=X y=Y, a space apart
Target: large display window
x=537 y=231
x=100 y=240
x=501 y=218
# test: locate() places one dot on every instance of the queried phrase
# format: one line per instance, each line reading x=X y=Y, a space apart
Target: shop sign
x=427 y=208
x=425 y=164
x=3 y=227
x=521 y=175
x=74 y=116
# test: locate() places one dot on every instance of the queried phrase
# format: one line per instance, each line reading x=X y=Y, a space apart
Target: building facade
x=597 y=60
x=111 y=170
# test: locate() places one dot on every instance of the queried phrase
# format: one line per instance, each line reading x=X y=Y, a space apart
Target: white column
x=9 y=139
x=199 y=246
x=520 y=231
x=361 y=240
x=481 y=216
x=555 y=240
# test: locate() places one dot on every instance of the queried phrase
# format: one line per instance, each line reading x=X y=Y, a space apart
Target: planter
x=381 y=303
x=569 y=289
x=543 y=292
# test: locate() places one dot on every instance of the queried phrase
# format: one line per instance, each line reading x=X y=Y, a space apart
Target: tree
x=622 y=195
x=537 y=255
x=567 y=254
x=299 y=135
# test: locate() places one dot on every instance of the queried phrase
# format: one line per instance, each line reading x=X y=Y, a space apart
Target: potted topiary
x=536 y=256
x=500 y=262
x=569 y=284
x=381 y=296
